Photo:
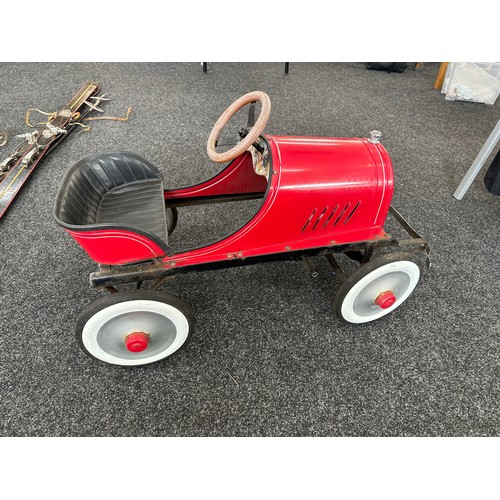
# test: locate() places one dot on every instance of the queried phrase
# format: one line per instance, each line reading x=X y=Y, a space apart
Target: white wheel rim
x=400 y=277
x=104 y=333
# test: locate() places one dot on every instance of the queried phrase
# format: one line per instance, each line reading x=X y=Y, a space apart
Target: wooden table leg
x=440 y=78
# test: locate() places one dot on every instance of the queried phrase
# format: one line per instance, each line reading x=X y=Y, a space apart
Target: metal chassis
x=108 y=277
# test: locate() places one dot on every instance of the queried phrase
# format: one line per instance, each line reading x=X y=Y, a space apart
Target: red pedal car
x=320 y=196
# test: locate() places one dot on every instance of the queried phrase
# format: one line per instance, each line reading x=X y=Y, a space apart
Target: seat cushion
x=138 y=204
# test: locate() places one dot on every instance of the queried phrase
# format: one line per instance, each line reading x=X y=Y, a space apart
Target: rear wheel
x=377 y=288
x=172 y=215
x=135 y=327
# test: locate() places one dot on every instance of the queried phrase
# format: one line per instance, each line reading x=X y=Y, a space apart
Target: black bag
x=492 y=177
x=390 y=67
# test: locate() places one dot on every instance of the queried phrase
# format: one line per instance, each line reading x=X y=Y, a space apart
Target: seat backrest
x=118 y=189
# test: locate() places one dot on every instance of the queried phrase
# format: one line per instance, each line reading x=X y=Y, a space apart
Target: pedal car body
x=320 y=192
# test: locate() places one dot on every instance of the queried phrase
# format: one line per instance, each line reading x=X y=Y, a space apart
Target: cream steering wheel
x=253 y=134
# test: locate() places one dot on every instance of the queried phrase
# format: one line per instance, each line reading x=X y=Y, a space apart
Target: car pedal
x=311 y=268
x=339 y=274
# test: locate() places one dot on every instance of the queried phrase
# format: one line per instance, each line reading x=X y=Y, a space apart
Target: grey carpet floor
x=268 y=357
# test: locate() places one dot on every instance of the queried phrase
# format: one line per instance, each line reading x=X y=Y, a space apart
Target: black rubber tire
x=365 y=270
x=172 y=219
x=126 y=296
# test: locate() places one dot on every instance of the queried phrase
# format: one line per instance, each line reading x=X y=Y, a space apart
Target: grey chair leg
x=478 y=162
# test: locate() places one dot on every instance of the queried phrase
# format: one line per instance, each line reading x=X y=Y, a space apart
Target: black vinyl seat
x=113 y=190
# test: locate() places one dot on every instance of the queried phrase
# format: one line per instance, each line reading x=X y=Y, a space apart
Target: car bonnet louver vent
x=328 y=218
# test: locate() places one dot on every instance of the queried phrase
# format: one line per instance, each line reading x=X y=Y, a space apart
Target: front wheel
x=135 y=327
x=377 y=288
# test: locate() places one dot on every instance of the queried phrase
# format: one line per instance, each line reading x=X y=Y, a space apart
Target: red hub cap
x=385 y=299
x=137 y=341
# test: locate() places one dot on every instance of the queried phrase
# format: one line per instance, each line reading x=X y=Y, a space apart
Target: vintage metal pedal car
x=320 y=196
